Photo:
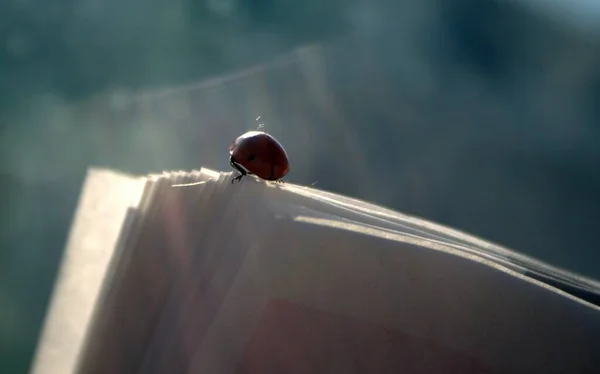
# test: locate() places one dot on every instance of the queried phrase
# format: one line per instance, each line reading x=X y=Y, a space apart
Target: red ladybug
x=258 y=153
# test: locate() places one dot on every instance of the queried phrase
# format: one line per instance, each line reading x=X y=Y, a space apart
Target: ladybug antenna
x=260 y=125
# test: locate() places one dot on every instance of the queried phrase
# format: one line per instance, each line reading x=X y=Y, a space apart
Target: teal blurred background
x=479 y=114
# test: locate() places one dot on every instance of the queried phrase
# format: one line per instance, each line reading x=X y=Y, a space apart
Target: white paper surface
x=212 y=276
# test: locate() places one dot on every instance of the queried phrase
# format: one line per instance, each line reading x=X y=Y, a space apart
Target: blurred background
x=483 y=115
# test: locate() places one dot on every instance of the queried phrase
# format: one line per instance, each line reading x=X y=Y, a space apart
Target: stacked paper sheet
x=188 y=273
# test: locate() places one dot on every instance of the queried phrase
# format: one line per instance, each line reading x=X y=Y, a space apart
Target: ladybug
x=258 y=153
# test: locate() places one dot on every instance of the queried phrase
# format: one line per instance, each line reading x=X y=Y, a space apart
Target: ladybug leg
x=235 y=165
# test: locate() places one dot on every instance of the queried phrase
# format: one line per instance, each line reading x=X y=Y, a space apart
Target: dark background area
x=479 y=114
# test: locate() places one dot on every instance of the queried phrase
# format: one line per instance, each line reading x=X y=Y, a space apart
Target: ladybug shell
x=260 y=154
